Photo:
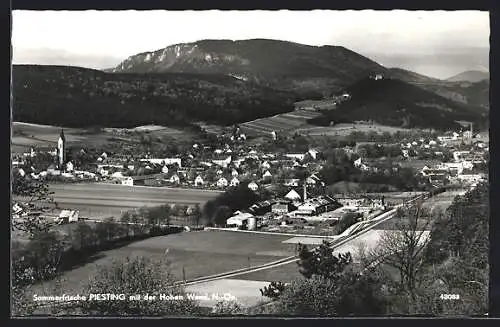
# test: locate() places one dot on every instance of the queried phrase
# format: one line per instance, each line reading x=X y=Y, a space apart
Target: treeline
x=77 y=97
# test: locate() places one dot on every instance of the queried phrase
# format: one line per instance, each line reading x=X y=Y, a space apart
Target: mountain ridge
x=472 y=76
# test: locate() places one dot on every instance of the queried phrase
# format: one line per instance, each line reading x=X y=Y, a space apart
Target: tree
x=158 y=215
x=138 y=276
x=322 y=262
x=402 y=248
x=83 y=236
x=221 y=214
x=347 y=220
x=196 y=214
x=35 y=202
x=306 y=260
x=225 y=308
x=273 y=290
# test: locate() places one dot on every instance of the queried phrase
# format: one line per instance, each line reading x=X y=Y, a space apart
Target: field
x=443 y=200
x=346 y=129
x=199 y=253
x=112 y=200
x=282 y=122
x=440 y=202
x=26 y=135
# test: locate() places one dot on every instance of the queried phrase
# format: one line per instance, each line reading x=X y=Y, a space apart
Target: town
x=298 y=184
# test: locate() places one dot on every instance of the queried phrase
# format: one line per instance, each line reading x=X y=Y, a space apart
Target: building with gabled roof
x=293 y=195
x=253 y=186
x=234 y=182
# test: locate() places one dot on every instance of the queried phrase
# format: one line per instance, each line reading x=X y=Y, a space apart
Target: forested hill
x=397 y=103
x=79 y=97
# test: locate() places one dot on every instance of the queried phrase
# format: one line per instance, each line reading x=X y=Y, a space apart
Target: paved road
x=108 y=198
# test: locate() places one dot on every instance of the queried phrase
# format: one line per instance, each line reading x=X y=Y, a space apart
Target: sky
x=434 y=43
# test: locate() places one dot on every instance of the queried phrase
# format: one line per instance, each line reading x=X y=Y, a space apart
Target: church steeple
x=62 y=135
x=61 y=149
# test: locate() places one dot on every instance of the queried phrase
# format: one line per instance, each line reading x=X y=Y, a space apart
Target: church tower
x=61 y=150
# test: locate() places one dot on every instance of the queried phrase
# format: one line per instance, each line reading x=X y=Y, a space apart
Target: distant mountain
x=397 y=103
x=472 y=76
x=475 y=95
x=279 y=64
x=79 y=97
x=471 y=93
x=409 y=76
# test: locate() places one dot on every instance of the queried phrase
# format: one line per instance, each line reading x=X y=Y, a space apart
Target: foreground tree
x=138 y=276
x=403 y=247
x=38 y=256
x=333 y=286
x=33 y=202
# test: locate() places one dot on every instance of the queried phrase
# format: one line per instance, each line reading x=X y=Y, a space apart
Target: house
x=313 y=153
x=350 y=201
x=69 y=166
x=470 y=178
x=360 y=165
x=294 y=182
x=143 y=179
x=222 y=182
x=438 y=178
x=68 y=215
x=460 y=155
x=260 y=208
x=103 y=172
x=293 y=195
x=164 y=161
x=265 y=165
x=21 y=172
x=267 y=175
x=117 y=174
x=297 y=156
x=239 y=219
x=198 y=181
x=313 y=180
x=237 y=163
x=174 y=178
x=234 y=182
x=224 y=162
x=129 y=181
x=282 y=207
x=253 y=186
x=316 y=206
